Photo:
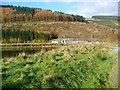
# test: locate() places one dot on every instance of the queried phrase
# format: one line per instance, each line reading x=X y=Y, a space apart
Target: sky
x=85 y=8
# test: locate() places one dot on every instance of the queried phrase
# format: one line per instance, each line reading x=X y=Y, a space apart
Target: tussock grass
x=74 y=66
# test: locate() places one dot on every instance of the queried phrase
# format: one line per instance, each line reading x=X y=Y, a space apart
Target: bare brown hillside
x=75 y=30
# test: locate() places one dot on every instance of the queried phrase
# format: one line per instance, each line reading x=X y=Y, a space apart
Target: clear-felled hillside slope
x=75 y=30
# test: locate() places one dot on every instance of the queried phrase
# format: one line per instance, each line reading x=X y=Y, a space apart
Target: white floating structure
x=67 y=41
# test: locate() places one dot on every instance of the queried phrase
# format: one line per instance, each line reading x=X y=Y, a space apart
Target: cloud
x=88 y=9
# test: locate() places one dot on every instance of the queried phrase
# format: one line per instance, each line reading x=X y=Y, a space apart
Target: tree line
x=18 y=13
x=23 y=36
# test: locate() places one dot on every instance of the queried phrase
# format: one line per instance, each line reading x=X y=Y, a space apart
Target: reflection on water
x=6 y=54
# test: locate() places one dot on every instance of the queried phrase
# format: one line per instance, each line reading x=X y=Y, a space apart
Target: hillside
x=23 y=24
x=31 y=59
x=111 y=21
x=17 y=13
x=75 y=30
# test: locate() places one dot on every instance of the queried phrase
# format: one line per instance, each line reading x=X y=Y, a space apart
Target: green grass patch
x=111 y=21
x=75 y=66
x=108 y=23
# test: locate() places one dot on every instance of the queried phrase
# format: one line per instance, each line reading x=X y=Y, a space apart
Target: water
x=13 y=53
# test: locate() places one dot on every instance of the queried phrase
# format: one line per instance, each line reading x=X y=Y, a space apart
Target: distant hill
x=111 y=21
x=22 y=24
x=17 y=13
x=106 y=17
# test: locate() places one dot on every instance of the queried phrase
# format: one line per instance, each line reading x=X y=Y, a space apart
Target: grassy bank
x=75 y=66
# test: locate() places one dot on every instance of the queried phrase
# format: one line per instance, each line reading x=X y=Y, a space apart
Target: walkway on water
x=21 y=46
x=25 y=44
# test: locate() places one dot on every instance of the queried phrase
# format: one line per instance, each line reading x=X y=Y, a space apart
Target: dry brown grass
x=73 y=30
